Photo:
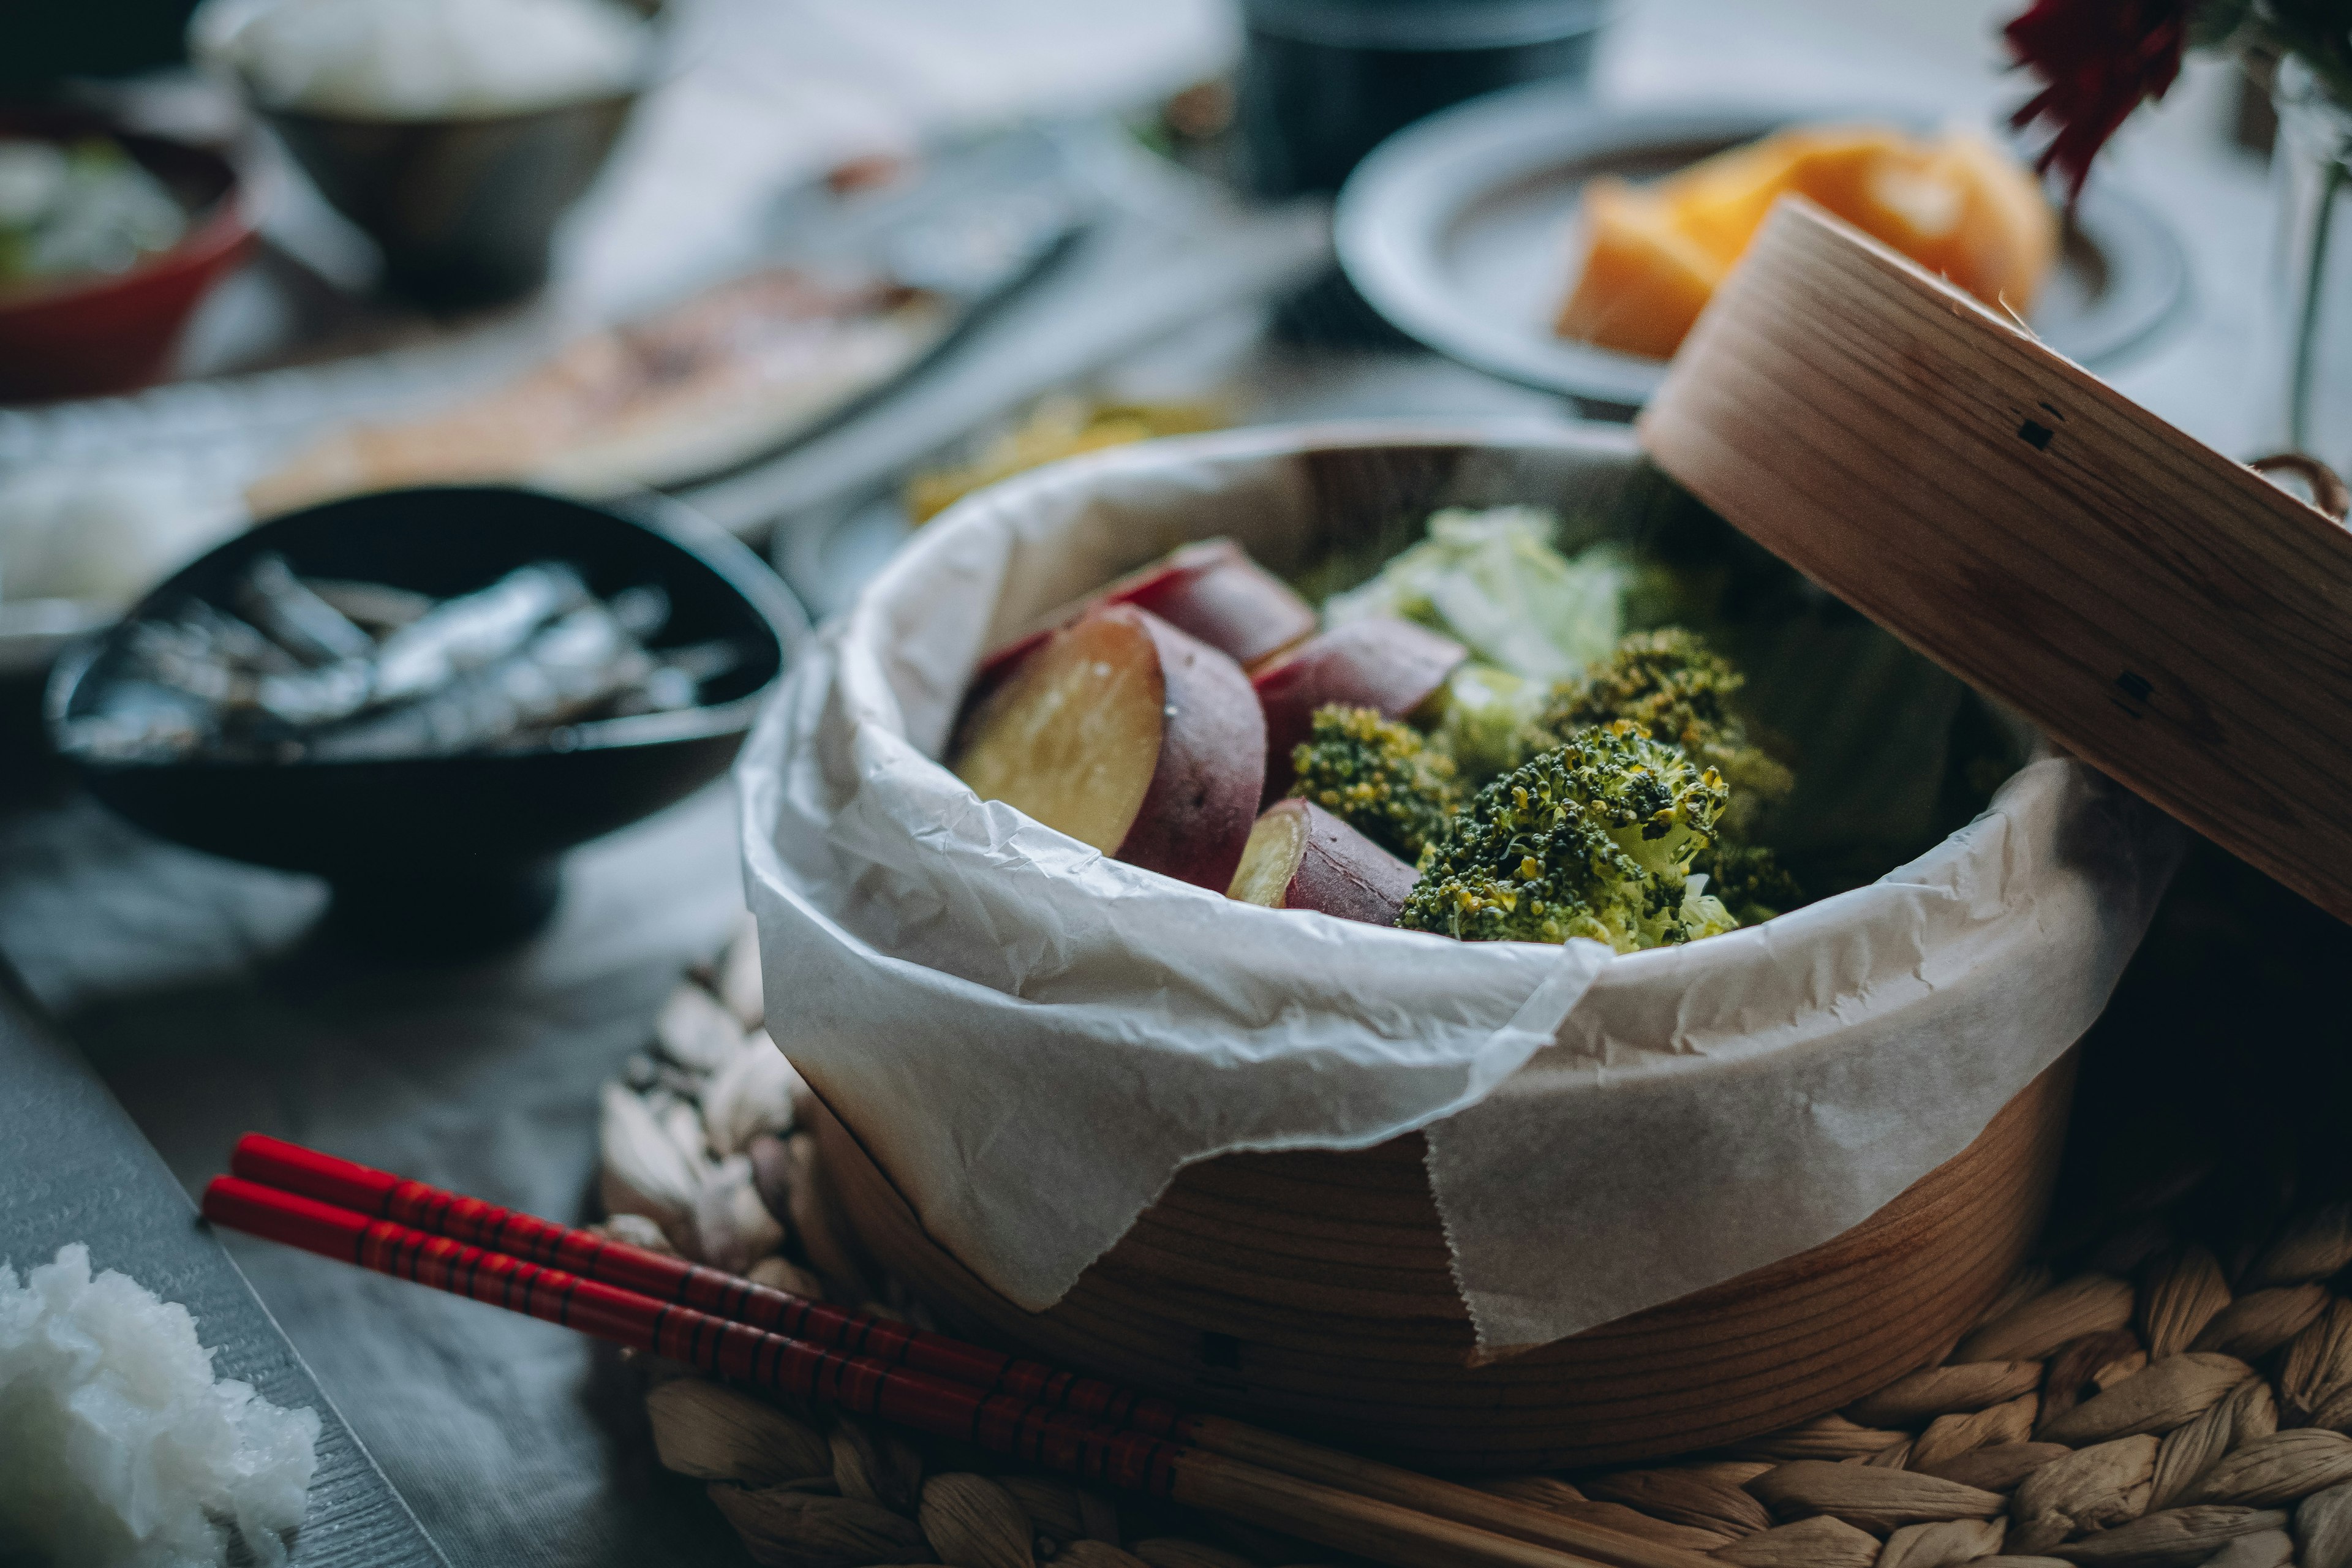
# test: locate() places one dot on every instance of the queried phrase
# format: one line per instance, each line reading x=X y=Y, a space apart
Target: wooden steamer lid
x=2172 y=616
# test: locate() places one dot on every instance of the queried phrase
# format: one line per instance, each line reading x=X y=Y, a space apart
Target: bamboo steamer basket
x=1312 y=1292
x=2160 y=611
x=2164 y=613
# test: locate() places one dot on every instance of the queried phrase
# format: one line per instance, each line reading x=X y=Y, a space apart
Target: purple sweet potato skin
x=1345 y=874
x=1390 y=666
x=1216 y=593
x=1196 y=817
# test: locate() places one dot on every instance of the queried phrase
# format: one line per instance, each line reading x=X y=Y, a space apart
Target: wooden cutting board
x=74 y=1168
x=2168 y=614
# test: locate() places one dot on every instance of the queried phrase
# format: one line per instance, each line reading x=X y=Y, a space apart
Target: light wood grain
x=2168 y=614
x=1311 y=1292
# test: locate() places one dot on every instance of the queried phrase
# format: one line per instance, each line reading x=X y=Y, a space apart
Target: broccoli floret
x=1747 y=880
x=1594 y=838
x=1679 y=691
x=1378 y=775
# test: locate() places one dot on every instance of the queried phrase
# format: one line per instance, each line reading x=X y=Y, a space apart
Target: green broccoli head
x=1749 y=880
x=1378 y=775
x=1679 y=691
x=1594 y=838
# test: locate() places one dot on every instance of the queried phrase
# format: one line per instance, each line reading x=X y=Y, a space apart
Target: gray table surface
x=187 y=982
x=76 y=1169
x=193 y=988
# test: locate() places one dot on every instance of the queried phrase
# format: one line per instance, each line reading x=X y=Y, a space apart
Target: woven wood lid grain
x=2167 y=613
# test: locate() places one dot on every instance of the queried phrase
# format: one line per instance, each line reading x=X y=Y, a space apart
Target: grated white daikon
x=118 y=1449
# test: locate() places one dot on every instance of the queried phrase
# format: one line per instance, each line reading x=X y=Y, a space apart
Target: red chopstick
x=1001 y=1423
x=291 y=1167
x=369 y=1193
x=864 y=1385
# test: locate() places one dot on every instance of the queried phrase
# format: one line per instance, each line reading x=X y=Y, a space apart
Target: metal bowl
x=460 y=852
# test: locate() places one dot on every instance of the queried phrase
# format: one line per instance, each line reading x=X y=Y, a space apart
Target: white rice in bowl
x=117 y=1447
x=411 y=60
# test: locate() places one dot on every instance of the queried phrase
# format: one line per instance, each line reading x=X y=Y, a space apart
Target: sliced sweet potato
x=1127 y=736
x=1211 y=590
x=1300 y=857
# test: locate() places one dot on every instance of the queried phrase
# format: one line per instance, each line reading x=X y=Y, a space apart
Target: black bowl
x=457 y=853
x=463 y=208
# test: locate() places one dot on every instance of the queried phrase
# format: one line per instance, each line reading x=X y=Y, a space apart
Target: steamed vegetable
x=1670 y=684
x=1379 y=776
x=1301 y=856
x=1594 y=838
x=1132 y=737
x=1493 y=582
x=1747 y=880
x=1486 y=720
x=1534 y=775
x=1677 y=690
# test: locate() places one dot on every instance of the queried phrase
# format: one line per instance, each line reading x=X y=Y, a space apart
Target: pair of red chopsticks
x=768 y=1338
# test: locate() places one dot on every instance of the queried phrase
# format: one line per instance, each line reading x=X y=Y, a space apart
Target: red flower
x=2101 y=59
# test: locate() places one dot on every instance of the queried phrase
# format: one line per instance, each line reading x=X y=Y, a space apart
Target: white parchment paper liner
x=1033 y=1038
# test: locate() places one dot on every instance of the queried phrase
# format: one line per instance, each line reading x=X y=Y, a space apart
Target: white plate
x=1458 y=231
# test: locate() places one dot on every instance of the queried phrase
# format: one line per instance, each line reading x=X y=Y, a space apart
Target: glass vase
x=2309 y=368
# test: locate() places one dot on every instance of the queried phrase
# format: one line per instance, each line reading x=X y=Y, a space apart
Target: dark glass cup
x=1325 y=81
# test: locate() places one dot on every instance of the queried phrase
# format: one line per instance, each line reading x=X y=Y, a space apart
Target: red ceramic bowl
x=84 y=337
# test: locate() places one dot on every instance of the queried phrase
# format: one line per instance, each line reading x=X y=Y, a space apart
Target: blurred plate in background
x=100 y=497
x=1459 y=232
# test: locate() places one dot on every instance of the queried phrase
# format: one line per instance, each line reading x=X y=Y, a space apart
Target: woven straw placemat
x=2170 y=1384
